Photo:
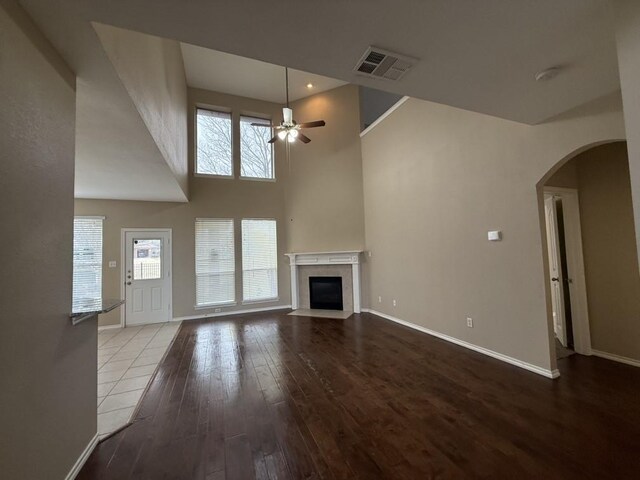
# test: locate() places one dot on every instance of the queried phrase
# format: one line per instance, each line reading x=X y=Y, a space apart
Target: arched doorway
x=589 y=239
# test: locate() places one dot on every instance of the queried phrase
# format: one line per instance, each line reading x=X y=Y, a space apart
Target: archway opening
x=590 y=255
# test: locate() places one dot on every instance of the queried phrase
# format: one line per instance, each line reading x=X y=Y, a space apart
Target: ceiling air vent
x=379 y=63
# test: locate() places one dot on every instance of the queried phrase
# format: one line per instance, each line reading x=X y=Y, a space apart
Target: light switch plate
x=112 y=264
x=494 y=235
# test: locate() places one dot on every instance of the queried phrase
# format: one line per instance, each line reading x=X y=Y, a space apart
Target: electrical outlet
x=395 y=303
x=112 y=264
x=469 y=322
x=218 y=310
x=379 y=299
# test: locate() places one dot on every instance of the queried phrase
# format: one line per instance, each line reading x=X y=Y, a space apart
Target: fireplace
x=325 y=293
x=344 y=264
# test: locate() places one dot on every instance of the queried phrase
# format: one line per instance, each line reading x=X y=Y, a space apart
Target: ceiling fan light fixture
x=287 y=115
x=288 y=130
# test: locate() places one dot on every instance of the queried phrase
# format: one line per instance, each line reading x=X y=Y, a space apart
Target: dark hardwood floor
x=273 y=396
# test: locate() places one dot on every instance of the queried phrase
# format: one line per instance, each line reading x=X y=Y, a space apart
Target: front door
x=555 y=269
x=147 y=276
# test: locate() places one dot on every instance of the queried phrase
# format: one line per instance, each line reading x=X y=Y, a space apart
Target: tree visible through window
x=214 y=143
x=256 y=153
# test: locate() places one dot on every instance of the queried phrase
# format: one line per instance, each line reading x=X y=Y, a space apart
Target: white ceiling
x=225 y=73
x=477 y=55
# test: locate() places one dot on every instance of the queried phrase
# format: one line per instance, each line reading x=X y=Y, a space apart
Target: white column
x=294 y=284
x=628 y=41
x=355 y=275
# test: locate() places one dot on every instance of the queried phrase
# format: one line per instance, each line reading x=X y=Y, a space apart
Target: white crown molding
x=616 y=358
x=393 y=108
x=82 y=458
x=230 y=313
x=500 y=356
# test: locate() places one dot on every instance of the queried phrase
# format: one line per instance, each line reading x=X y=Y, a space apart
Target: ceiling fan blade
x=317 y=123
x=303 y=138
x=275 y=137
x=261 y=125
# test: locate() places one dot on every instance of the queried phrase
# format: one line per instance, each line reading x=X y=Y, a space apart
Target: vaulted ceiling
x=222 y=72
x=477 y=55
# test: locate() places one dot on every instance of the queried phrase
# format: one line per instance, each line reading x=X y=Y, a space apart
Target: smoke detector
x=547 y=74
x=379 y=63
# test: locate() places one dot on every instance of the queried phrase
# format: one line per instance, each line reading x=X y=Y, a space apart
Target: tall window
x=256 y=153
x=213 y=143
x=259 y=260
x=87 y=260
x=215 y=262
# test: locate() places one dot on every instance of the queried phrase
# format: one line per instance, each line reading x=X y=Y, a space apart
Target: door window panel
x=147 y=259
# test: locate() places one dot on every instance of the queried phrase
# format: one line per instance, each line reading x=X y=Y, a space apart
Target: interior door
x=555 y=269
x=147 y=277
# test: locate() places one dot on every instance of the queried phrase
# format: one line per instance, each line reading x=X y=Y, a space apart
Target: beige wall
x=152 y=71
x=628 y=41
x=436 y=179
x=609 y=246
x=566 y=177
x=324 y=196
x=210 y=198
x=316 y=168
x=48 y=367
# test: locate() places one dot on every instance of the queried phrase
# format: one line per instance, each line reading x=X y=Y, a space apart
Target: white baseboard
x=82 y=459
x=505 y=358
x=232 y=312
x=616 y=358
x=109 y=327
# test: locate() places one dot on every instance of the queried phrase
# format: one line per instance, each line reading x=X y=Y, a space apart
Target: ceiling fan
x=289 y=129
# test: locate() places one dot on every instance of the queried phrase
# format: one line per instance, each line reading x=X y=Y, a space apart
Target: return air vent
x=379 y=63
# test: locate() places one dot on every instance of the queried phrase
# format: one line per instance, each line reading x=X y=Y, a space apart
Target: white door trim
x=123 y=273
x=575 y=265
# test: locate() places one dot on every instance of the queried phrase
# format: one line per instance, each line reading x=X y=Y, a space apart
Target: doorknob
x=553 y=279
x=128 y=283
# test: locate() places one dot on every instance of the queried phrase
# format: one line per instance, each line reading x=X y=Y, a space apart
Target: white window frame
x=205 y=306
x=91 y=217
x=195 y=142
x=277 y=295
x=273 y=151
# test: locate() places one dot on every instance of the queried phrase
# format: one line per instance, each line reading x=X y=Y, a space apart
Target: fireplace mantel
x=347 y=257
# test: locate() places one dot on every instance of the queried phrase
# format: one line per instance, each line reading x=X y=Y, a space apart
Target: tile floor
x=127 y=358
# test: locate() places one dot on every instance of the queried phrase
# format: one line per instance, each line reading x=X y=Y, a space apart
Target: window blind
x=87 y=260
x=256 y=153
x=215 y=262
x=213 y=143
x=259 y=260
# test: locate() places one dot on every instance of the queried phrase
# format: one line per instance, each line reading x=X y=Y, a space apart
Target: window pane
x=213 y=132
x=87 y=260
x=215 y=262
x=256 y=153
x=147 y=259
x=259 y=260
